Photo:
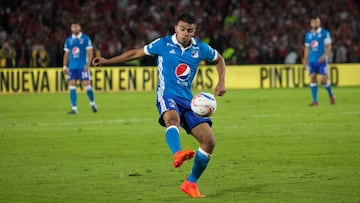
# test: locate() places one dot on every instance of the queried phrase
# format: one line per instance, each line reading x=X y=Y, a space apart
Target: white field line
x=133 y=120
x=290 y=115
x=140 y=120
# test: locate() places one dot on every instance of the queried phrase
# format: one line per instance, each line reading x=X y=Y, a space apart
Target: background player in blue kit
x=316 y=51
x=77 y=59
x=178 y=57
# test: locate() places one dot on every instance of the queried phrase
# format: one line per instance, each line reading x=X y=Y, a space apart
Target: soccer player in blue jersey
x=178 y=57
x=77 y=59
x=316 y=51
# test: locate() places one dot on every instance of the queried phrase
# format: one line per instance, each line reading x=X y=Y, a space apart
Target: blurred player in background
x=178 y=57
x=7 y=55
x=316 y=51
x=77 y=58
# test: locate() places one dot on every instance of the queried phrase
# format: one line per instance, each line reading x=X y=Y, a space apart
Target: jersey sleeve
x=66 y=45
x=307 y=40
x=327 y=39
x=210 y=54
x=89 y=43
x=154 y=48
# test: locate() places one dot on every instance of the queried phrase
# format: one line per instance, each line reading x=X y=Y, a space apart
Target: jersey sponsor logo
x=182 y=72
x=75 y=52
x=314 y=43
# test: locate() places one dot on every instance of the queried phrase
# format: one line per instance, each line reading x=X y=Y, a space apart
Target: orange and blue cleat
x=191 y=189
x=181 y=156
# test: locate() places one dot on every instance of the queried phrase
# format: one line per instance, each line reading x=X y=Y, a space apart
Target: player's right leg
x=172 y=122
x=314 y=88
x=169 y=118
x=73 y=95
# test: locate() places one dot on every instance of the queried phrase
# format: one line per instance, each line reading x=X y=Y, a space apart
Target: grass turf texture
x=271 y=147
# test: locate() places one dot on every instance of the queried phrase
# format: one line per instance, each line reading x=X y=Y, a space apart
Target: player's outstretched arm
x=220 y=89
x=126 y=56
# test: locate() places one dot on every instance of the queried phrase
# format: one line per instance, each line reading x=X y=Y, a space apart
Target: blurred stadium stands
x=244 y=31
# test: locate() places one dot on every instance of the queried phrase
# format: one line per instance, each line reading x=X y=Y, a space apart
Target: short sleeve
x=327 y=39
x=89 y=43
x=210 y=53
x=154 y=47
x=66 y=46
x=307 y=40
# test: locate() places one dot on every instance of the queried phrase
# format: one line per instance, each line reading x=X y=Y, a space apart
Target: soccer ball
x=203 y=104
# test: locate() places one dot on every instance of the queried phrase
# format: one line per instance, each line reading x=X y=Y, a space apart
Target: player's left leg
x=323 y=71
x=89 y=91
x=205 y=137
x=326 y=83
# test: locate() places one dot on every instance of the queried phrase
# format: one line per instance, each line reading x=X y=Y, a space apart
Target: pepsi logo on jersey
x=314 y=43
x=182 y=72
x=75 y=51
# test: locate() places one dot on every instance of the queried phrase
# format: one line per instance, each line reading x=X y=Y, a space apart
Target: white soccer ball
x=203 y=104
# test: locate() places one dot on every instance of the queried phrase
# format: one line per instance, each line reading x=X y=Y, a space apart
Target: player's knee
x=172 y=121
x=324 y=81
x=171 y=118
x=86 y=83
x=72 y=82
x=209 y=142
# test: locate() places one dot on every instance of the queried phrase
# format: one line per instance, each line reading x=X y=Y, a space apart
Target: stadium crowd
x=32 y=33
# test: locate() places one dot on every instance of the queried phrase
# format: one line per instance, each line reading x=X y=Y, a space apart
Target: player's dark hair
x=314 y=16
x=76 y=21
x=186 y=17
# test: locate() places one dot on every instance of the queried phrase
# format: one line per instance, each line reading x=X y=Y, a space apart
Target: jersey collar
x=175 y=41
x=318 y=30
x=78 y=36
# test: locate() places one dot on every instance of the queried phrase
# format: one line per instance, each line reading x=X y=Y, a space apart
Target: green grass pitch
x=271 y=147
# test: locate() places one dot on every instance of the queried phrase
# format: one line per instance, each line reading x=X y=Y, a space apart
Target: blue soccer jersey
x=177 y=66
x=77 y=46
x=317 y=41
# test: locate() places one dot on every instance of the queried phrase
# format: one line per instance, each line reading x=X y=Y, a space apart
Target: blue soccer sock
x=314 y=90
x=90 y=94
x=73 y=97
x=173 y=138
x=329 y=89
x=201 y=160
